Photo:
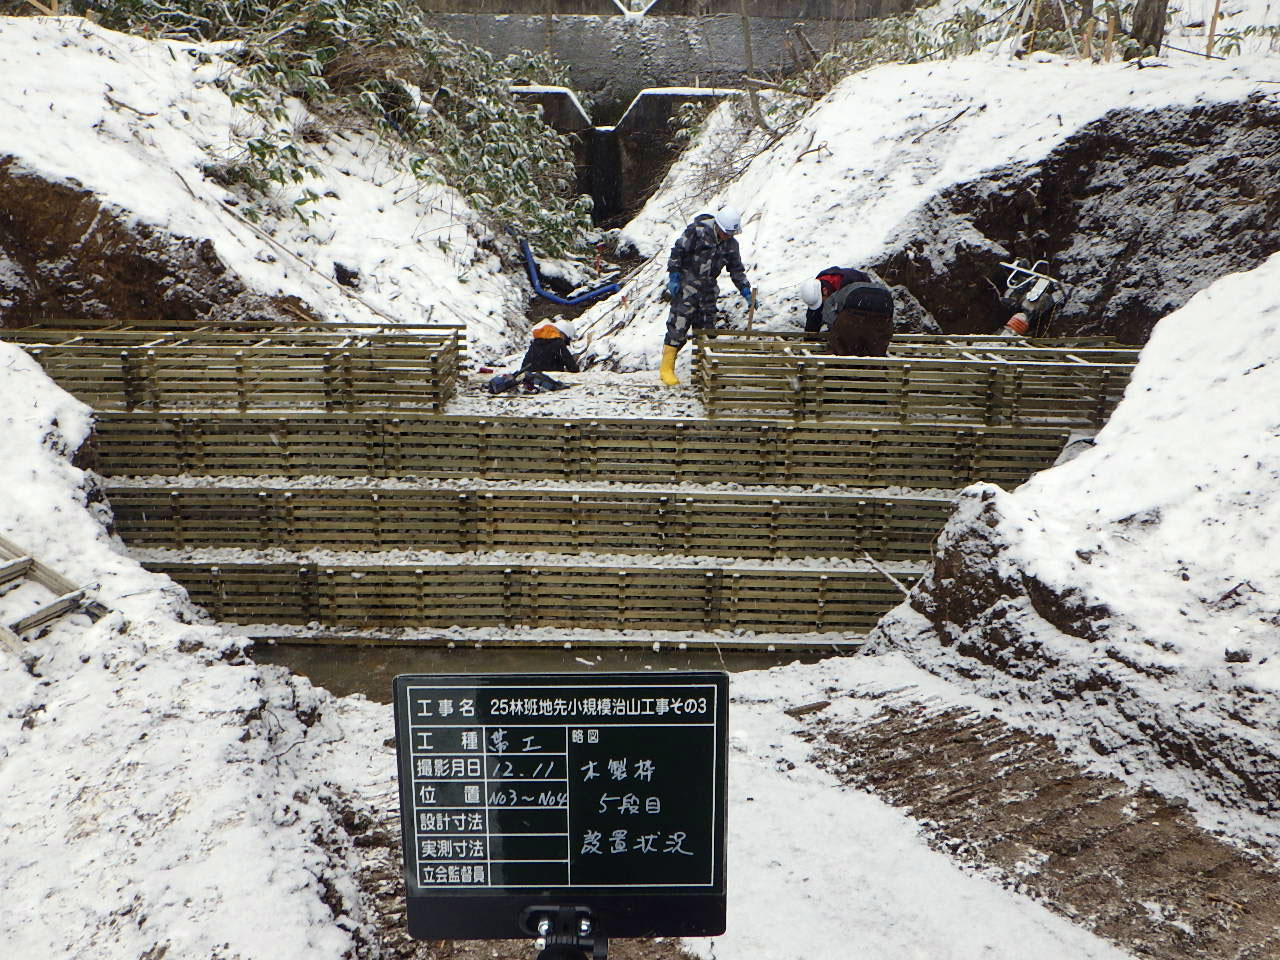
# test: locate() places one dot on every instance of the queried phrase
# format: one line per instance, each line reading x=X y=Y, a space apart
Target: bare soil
x=1127 y=863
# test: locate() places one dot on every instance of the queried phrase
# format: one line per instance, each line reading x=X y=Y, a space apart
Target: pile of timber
x=247 y=366
x=978 y=380
x=38 y=593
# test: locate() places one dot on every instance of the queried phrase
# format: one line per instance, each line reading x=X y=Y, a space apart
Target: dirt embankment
x=979 y=617
x=64 y=253
x=1128 y=864
x=1137 y=212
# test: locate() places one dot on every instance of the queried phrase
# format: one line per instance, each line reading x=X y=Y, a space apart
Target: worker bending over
x=549 y=347
x=856 y=309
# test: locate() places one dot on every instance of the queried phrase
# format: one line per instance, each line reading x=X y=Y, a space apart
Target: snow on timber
x=163 y=795
x=136 y=121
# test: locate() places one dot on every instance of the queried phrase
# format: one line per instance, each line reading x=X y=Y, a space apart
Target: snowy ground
x=166 y=797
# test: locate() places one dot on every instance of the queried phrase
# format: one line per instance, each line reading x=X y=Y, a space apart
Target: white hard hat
x=729 y=219
x=811 y=293
x=566 y=327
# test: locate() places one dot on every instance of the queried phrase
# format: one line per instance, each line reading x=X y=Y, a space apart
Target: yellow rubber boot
x=668 y=369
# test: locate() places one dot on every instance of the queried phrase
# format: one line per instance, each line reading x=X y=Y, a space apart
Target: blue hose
x=590 y=295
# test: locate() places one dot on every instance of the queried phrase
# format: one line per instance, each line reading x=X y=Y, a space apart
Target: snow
x=1165 y=521
x=165 y=796
x=878 y=892
x=143 y=804
x=842 y=186
x=136 y=121
x=1197 y=563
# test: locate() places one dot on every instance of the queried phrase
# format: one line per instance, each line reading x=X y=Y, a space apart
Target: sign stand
x=568 y=935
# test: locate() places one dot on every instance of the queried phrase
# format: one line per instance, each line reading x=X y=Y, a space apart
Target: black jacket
x=848 y=275
x=549 y=353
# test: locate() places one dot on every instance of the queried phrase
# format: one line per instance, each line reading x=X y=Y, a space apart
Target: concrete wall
x=611 y=59
x=780 y=9
x=619 y=166
x=643 y=136
x=601 y=8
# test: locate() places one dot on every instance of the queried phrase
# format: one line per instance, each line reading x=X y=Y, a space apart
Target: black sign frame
x=669 y=732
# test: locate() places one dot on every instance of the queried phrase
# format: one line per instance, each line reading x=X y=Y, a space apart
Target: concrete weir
x=620 y=165
x=612 y=58
x=637 y=62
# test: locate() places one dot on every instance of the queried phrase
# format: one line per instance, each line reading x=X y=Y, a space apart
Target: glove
x=747 y=295
x=673 y=283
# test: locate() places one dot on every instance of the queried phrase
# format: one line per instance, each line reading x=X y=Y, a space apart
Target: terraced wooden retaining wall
x=479 y=595
x=517 y=448
x=343 y=369
x=922 y=380
x=455 y=521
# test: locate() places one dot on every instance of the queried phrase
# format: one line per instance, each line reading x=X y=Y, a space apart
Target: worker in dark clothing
x=550 y=347
x=705 y=248
x=856 y=309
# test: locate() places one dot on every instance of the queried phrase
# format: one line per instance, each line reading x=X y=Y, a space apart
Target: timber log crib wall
x=967 y=379
x=804 y=563
x=603 y=521
x=597 y=597
x=617 y=451
x=217 y=366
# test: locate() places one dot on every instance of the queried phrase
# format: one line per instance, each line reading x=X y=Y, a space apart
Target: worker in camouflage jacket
x=705 y=248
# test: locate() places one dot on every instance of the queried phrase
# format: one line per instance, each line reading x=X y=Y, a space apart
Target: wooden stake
x=1213 y=28
x=751 y=69
x=1109 y=46
x=1066 y=25
x=1089 y=31
x=1035 y=27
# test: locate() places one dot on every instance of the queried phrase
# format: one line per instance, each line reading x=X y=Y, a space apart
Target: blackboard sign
x=604 y=793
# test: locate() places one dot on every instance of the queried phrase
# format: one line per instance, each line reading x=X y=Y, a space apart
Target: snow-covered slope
x=1130 y=598
x=158 y=792
x=845 y=185
x=137 y=121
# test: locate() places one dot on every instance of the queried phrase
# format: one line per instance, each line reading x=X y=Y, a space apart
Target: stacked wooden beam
x=761 y=556
x=974 y=380
x=483 y=595
x=250 y=369
x=580 y=450
x=602 y=521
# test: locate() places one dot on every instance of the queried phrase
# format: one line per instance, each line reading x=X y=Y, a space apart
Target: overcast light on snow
x=161 y=795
